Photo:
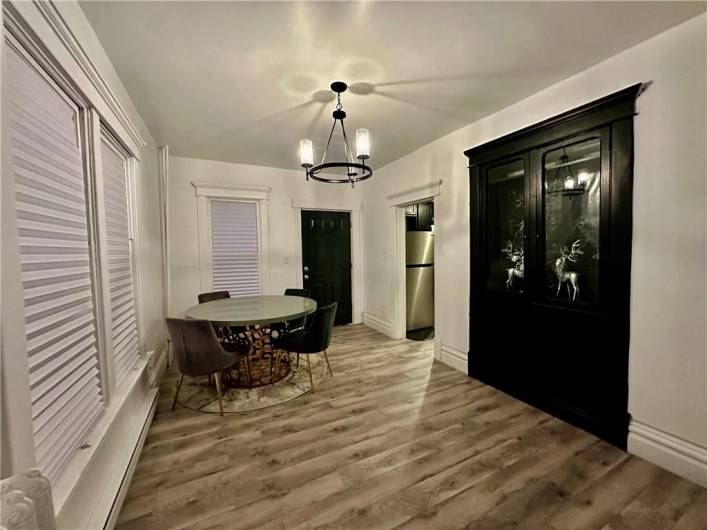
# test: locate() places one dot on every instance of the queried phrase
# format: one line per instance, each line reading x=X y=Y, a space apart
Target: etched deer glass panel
x=571 y=188
x=505 y=222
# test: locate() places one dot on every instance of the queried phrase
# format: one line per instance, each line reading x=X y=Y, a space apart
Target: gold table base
x=267 y=364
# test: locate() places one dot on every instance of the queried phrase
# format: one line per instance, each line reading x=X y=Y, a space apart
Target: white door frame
x=398 y=201
x=354 y=209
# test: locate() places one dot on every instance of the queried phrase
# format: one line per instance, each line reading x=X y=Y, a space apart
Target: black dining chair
x=198 y=352
x=297 y=323
x=215 y=295
x=314 y=338
x=304 y=293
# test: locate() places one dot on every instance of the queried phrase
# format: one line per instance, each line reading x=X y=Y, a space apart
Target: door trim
x=354 y=210
x=398 y=201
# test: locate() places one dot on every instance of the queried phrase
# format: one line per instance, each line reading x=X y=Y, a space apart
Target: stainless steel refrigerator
x=419 y=280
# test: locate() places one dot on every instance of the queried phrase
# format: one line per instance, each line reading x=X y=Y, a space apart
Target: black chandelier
x=354 y=171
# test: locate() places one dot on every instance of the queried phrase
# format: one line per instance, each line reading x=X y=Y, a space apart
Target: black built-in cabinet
x=551 y=213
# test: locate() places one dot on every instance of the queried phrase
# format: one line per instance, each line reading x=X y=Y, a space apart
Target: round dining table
x=251 y=320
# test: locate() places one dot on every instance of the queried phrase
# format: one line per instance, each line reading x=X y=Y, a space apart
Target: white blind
x=50 y=194
x=124 y=334
x=234 y=243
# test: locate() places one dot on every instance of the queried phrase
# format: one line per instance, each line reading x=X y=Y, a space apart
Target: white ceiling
x=244 y=81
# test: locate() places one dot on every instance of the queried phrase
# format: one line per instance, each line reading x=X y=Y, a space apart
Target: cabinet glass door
x=572 y=177
x=505 y=226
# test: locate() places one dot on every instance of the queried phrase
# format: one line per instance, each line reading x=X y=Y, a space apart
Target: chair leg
x=309 y=369
x=217 y=378
x=326 y=358
x=176 y=390
x=298 y=360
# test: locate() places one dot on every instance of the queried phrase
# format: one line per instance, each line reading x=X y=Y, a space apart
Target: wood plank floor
x=395 y=441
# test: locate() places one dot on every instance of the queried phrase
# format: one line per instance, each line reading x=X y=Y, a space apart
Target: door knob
x=306 y=276
x=306 y=268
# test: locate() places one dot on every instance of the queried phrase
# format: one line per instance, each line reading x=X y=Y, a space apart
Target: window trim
x=207 y=192
x=99 y=132
x=17 y=415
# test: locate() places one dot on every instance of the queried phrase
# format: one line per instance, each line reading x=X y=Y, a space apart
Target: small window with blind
x=234 y=247
x=123 y=321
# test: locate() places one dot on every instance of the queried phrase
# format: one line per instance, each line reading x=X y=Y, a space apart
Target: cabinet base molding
x=379 y=324
x=679 y=456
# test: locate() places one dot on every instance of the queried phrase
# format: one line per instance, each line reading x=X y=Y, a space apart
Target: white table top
x=252 y=310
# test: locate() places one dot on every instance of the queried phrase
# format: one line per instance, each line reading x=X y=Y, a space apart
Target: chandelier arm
x=347 y=147
x=331 y=133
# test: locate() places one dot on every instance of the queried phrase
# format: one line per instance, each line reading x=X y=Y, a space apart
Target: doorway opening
x=419 y=271
x=326 y=260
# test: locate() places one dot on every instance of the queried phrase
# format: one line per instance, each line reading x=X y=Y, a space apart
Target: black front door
x=326 y=259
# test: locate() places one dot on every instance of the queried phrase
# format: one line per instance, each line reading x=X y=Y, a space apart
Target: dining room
x=353 y=265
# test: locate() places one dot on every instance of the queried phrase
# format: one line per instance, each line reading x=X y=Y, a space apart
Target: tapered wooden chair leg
x=309 y=369
x=176 y=390
x=326 y=358
x=217 y=378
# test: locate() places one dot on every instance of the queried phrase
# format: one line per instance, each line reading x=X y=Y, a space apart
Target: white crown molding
x=52 y=16
x=666 y=450
x=414 y=194
x=208 y=189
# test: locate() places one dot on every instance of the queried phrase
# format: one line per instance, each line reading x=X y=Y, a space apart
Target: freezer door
x=419 y=248
x=419 y=284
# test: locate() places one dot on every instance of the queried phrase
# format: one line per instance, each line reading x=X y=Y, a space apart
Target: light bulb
x=569 y=183
x=583 y=177
x=306 y=153
x=363 y=144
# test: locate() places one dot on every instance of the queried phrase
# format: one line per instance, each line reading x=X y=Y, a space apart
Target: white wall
x=668 y=371
x=285 y=185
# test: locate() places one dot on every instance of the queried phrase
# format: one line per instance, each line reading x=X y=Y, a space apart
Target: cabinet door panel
x=504 y=225
x=571 y=203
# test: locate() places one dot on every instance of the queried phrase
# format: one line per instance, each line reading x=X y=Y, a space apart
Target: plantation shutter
x=50 y=197
x=124 y=335
x=234 y=241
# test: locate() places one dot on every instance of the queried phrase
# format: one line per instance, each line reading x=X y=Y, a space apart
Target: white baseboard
x=683 y=458
x=457 y=359
x=377 y=323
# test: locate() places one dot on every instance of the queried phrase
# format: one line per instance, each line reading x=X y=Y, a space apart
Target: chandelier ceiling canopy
x=353 y=171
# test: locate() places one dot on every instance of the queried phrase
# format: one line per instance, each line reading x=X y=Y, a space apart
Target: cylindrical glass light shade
x=306 y=153
x=363 y=144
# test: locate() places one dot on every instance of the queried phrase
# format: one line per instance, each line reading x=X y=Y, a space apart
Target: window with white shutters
x=45 y=161
x=234 y=247
x=124 y=335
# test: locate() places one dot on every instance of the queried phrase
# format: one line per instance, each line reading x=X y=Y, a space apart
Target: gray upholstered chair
x=314 y=338
x=198 y=352
x=215 y=295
